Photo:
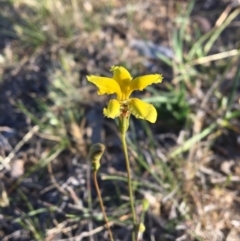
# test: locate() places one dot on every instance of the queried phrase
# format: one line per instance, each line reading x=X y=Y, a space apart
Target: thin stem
x=123 y=140
x=90 y=223
x=101 y=205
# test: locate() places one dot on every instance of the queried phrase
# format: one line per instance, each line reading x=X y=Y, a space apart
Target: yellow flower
x=122 y=84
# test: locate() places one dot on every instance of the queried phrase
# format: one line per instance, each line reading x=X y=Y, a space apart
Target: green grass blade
x=187 y=144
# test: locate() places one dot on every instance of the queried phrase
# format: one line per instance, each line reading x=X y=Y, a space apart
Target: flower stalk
x=130 y=191
x=95 y=154
x=101 y=205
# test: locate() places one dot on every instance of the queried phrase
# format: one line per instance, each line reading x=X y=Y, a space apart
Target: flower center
x=124 y=108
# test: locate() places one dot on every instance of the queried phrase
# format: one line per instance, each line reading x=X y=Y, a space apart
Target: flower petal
x=142 y=110
x=120 y=73
x=123 y=77
x=105 y=85
x=113 y=109
x=142 y=82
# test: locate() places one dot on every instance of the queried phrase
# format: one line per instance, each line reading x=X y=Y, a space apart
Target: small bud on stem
x=95 y=154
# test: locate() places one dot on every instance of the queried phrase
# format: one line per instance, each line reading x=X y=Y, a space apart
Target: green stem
x=101 y=205
x=123 y=140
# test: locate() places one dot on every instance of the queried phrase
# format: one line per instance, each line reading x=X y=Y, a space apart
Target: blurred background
x=186 y=165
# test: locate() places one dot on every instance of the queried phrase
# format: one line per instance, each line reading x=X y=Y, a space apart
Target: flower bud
x=95 y=154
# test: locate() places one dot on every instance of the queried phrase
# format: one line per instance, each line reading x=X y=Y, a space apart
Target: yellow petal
x=123 y=77
x=113 y=109
x=142 y=82
x=142 y=110
x=105 y=85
